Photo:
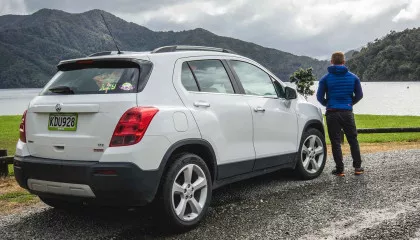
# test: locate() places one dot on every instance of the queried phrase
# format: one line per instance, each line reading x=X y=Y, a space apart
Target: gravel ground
x=382 y=204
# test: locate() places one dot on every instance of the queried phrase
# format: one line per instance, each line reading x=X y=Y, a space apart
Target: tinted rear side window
x=187 y=78
x=211 y=76
x=96 y=78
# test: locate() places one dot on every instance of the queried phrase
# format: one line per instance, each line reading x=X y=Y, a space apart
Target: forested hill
x=32 y=45
x=395 y=57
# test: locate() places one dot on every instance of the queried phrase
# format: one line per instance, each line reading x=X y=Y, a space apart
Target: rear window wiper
x=61 y=89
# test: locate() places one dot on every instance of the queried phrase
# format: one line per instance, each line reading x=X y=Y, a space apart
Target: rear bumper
x=124 y=184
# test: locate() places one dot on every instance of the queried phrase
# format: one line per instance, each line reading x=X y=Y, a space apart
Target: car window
x=96 y=81
x=279 y=89
x=254 y=80
x=211 y=76
x=187 y=78
x=102 y=77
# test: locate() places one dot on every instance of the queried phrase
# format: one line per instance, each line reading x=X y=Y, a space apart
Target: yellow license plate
x=62 y=122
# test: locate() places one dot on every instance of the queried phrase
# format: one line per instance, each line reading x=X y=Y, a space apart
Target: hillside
x=32 y=45
x=395 y=57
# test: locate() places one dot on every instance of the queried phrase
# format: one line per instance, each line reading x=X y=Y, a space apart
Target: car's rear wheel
x=312 y=154
x=186 y=191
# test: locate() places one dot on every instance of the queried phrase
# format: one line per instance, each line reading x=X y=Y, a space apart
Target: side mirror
x=290 y=93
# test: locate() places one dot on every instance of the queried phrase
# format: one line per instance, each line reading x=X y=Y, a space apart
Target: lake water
x=15 y=101
x=380 y=98
x=386 y=98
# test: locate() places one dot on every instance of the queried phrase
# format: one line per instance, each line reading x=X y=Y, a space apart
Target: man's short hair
x=338 y=58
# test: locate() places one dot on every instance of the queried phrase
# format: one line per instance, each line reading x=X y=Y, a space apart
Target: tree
x=304 y=79
x=394 y=57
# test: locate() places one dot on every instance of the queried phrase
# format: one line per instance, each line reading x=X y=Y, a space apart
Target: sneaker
x=338 y=173
x=359 y=171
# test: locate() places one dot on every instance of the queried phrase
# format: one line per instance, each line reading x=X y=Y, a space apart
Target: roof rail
x=176 y=48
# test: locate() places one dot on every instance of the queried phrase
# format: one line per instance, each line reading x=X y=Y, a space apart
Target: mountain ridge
x=394 y=57
x=32 y=45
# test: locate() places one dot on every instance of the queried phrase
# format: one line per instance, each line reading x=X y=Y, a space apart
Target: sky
x=304 y=27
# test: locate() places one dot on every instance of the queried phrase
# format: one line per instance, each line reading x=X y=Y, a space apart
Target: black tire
x=166 y=198
x=62 y=204
x=300 y=169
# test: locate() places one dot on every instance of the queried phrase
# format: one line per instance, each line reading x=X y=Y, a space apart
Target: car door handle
x=201 y=104
x=259 y=109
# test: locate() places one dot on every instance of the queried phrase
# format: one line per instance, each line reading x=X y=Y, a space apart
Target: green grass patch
x=11 y=170
x=18 y=197
x=9 y=133
x=379 y=121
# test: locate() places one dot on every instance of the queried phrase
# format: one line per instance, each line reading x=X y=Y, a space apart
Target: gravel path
x=382 y=204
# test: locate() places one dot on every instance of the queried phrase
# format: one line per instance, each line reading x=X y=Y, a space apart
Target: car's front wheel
x=186 y=191
x=312 y=154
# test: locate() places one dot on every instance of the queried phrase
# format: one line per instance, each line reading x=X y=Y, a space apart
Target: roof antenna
x=110 y=33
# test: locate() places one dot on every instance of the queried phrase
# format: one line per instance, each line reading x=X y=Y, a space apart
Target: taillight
x=22 y=128
x=132 y=126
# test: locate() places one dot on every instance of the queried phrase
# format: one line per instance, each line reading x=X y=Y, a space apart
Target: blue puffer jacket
x=341 y=87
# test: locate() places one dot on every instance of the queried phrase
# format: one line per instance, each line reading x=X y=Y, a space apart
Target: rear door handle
x=201 y=104
x=259 y=109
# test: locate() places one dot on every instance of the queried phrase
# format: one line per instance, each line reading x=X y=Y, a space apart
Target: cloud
x=76 y=6
x=318 y=16
x=12 y=7
x=303 y=27
x=411 y=12
x=298 y=17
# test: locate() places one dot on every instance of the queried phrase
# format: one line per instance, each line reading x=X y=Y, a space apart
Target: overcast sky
x=303 y=27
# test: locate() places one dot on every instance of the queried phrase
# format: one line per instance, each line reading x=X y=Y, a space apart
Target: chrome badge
x=58 y=107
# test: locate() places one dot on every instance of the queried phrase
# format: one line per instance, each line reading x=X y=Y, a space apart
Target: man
x=339 y=90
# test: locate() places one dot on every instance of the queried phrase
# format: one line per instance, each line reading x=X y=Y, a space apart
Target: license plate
x=62 y=122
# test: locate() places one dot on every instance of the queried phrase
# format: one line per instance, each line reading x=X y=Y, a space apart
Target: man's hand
x=358 y=92
x=320 y=94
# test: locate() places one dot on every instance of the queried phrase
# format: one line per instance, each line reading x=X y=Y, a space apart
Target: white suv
x=167 y=126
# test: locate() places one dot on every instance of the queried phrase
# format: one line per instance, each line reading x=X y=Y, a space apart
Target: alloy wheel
x=312 y=154
x=189 y=192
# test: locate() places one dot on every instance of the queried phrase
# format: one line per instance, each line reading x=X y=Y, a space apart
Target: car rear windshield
x=88 y=77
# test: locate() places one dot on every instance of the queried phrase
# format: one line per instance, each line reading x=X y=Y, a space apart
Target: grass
x=11 y=170
x=18 y=197
x=379 y=121
x=13 y=197
x=9 y=133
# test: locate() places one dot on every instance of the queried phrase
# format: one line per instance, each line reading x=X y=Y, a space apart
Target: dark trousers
x=343 y=120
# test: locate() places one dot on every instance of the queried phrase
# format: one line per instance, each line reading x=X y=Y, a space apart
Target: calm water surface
x=389 y=98
x=386 y=98
x=15 y=101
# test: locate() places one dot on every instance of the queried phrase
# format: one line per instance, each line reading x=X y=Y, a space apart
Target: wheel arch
x=199 y=147
x=316 y=124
